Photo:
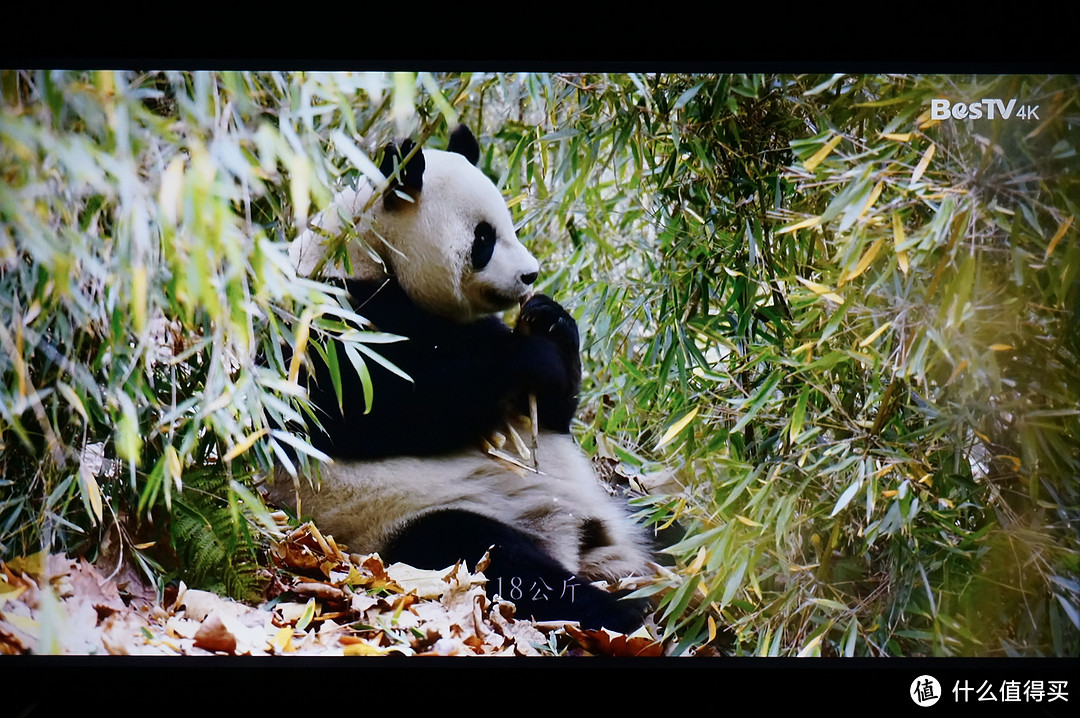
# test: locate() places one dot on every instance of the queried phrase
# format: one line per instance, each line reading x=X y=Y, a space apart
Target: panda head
x=444 y=231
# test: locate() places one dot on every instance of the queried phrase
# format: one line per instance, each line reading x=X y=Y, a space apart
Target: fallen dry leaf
x=214 y=636
x=321 y=601
x=606 y=643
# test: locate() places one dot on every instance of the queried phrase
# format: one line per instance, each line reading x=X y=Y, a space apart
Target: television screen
x=719 y=365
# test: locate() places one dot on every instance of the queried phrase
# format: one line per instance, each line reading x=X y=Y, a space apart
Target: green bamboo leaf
x=379 y=359
x=360 y=366
x=799 y=414
x=846 y=497
x=331 y=354
x=734 y=581
x=760 y=398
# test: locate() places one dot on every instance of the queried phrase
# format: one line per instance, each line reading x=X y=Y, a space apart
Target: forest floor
x=324 y=602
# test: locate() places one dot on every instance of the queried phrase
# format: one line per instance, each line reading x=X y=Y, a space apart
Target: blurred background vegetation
x=835 y=339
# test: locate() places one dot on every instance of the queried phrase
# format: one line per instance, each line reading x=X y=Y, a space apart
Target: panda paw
x=542 y=316
x=555 y=367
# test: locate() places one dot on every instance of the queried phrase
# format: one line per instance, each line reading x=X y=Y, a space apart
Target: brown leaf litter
x=322 y=601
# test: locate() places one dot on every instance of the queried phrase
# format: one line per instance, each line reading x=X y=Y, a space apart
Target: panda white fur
x=409 y=479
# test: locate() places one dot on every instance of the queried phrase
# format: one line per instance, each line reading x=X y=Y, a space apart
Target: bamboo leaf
x=846 y=497
x=816 y=158
x=920 y=168
x=1061 y=230
x=874 y=335
x=677 y=427
x=303 y=330
x=804 y=224
x=243 y=445
x=798 y=416
x=898 y=243
x=759 y=400
x=821 y=290
x=864 y=262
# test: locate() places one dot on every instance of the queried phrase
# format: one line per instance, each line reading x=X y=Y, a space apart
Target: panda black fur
x=409 y=480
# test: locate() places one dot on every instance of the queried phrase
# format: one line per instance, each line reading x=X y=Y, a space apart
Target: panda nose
x=528 y=278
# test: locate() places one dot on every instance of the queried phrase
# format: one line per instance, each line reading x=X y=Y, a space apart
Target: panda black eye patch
x=483 y=245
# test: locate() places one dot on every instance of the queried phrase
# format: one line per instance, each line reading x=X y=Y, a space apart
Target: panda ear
x=410 y=178
x=464 y=143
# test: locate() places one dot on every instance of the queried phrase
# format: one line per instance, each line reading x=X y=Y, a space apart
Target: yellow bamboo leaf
x=746 y=521
x=898 y=242
x=282 y=641
x=699 y=561
x=1061 y=230
x=243 y=445
x=73 y=399
x=876 y=333
x=172 y=463
x=92 y=492
x=1014 y=460
x=921 y=167
x=864 y=262
x=302 y=333
x=889 y=493
x=814 y=286
x=815 y=159
x=956 y=372
x=362 y=649
x=874 y=194
x=821 y=290
x=811 y=648
x=678 y=426
x=898 y=136
x=1000 y=347
x=923 y=121
x=811 y=222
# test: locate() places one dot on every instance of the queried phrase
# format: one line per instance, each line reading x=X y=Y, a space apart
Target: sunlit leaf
x=822 y=290
x=864 y=261
x=874 y=335
x=1061 y=230
x=920 y=168
x=816 y=158
x=677 y=427
x=898 y=243
x=846 y=497
x=243 y=445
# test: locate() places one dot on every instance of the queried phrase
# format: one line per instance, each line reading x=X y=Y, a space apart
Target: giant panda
x=435 y=260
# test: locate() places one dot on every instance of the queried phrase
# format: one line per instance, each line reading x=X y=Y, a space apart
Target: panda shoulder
x=386 y=305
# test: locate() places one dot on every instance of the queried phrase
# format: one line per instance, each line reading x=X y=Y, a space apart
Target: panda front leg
x=544 y=319
x=520 y=571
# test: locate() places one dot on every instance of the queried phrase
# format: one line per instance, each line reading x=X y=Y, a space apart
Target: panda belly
x=554 y=531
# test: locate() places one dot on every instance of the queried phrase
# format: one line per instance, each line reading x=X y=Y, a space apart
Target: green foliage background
x=845 y=334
